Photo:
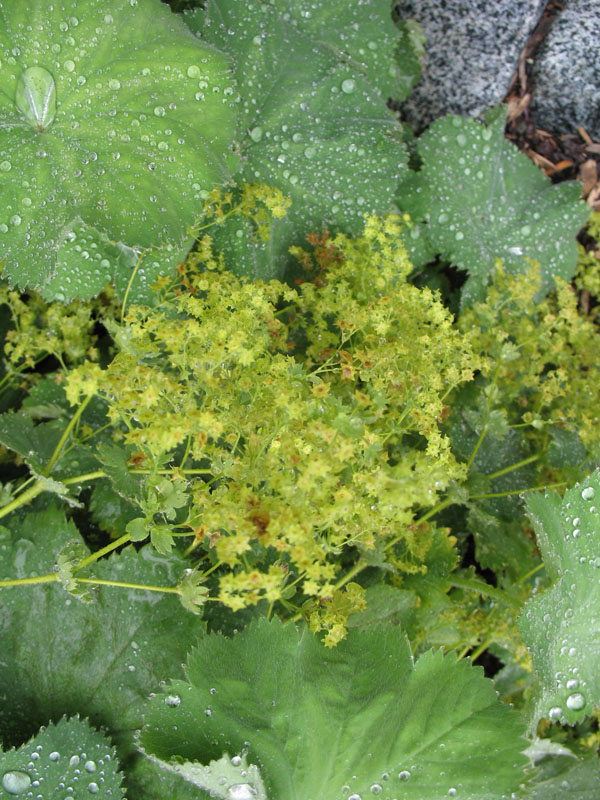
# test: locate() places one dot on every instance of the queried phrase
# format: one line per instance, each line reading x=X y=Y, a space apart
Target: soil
x=562 y=157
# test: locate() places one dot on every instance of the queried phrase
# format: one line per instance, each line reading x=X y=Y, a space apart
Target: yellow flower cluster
x=543 y=356
x=315 y=412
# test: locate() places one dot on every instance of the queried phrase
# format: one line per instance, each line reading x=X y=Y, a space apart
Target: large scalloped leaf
x=562 y=626
x=482 y=199
x=112 y=116
x=69 y=759
x=313 y=119
x=324 y=724
x=100 y=659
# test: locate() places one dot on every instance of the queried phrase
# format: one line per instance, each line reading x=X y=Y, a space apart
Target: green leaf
x=562 y=626
x=313 y=119
x=483 y=200
x=114 y=461
x=565 y=778
x=99 y=659
x=115 y=123
x=69 y=753
x=360 y=716
x=34 y=443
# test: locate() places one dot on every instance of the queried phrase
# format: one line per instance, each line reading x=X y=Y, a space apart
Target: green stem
x=65 y=435
x=477 y=446
x=485 y=589
x=518 y=491
x=124 y=585
x=512 y=467
x=479 y=650
x=102 y=552
x=28 y=581
x=130 y=283
x=23 y=499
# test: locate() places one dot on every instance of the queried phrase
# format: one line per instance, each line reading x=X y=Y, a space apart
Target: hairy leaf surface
x=99 y=659
x=114 y=121
x=361 y=716
x=66 y=759
x=313 y=118
x=562 y=626
x=482 y=199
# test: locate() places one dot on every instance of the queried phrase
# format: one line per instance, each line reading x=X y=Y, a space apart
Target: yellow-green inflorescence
x=314 y=410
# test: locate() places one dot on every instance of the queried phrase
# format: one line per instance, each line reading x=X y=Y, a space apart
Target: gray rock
x=566 y=72
x=472 y=52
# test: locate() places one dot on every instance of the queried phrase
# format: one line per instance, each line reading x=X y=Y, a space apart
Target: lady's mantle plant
x=114 y=122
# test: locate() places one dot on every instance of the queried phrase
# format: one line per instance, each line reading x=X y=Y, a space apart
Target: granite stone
x=472 y=51
x=566 y=72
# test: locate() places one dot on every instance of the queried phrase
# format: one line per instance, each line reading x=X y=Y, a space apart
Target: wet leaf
x=562 y=626
x=360 y=716
x=66 y=759
x=114 y=123
x=482 y=199
x=313 y=116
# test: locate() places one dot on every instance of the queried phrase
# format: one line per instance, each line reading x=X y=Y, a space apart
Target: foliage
x=561 y=626
x=328 y=494
x=483 y=200
x=67 y=755
x=313 y=119
x=377 y=716
x=103 y=154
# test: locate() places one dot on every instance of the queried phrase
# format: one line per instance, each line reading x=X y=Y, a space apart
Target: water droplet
x=348 y=86
x=354 y=797
x=5 y=166
x=376 y=789
x=459 y=235
x=193 y=71
x=159 y=111
x=73 y=761
x=54 y=756
x=172 y=700
x=404 y=775
x=587 y=494
x=90 y=766
x=576 y=701
x=108 y=19
x=93 y=788
x=69 y=65
x=36 y=97
x=114 y=84
x=461 y=139
x=486 y=134
x=310 y=152
x=15 y=220
x=555 y=712
x=241 y=791
x=15 y=782
x=256 y=134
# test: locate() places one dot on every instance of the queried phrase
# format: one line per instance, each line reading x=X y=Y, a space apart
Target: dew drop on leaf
x=15 y=782
x=348 y=85
x=576 y=701
x=172 y=700
x=241 y=791
x=404 y=775
x=93 y=788
x=555 y=712
x=90 y=766
x=54 y=756
x=36 y=97
x=588 y=493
